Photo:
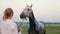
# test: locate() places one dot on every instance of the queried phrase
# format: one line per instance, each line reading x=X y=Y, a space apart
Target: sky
x=44 y=10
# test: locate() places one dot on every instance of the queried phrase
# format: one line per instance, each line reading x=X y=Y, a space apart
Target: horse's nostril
x=22 y=15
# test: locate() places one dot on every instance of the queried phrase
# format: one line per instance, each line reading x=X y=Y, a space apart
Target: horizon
x=44 y=10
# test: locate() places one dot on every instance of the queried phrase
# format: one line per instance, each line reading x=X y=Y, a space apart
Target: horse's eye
x=28 y=9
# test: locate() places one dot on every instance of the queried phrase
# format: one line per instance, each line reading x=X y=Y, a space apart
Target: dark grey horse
x=35 y=27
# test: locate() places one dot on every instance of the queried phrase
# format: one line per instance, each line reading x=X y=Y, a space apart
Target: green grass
x=53 y=30
x=49 y=29
x=25 y=29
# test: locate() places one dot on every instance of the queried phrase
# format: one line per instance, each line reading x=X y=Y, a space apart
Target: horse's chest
x=39 y=25
x=32 y=25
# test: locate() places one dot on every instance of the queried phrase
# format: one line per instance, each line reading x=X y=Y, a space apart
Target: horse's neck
x=32 y=21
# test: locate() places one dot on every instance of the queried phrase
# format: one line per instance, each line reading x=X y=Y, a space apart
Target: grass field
x=50 y=29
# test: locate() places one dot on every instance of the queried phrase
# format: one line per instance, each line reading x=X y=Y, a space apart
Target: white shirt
x=19 y=32
x=8 y=27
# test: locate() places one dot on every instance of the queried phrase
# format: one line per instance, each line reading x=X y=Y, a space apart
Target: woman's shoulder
x=8 y=21
x=1 y=22
x=12 y=22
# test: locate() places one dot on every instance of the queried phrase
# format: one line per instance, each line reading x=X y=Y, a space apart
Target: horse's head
x=27 y=12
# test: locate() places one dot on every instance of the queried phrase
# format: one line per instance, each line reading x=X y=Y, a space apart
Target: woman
x=7 y=26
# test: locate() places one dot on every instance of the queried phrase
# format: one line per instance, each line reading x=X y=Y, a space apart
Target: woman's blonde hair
x=7 y=13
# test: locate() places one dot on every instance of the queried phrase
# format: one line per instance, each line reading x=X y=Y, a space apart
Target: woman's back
x=8 y=27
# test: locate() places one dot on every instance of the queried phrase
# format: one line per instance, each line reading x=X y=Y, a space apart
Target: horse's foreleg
x=45 y=32
x=32 y=31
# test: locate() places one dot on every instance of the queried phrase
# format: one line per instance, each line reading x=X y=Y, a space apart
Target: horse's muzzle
x=22 y=16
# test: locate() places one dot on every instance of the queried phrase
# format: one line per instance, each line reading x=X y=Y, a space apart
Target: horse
x=35 y=27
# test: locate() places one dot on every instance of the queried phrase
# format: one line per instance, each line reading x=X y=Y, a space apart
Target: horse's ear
x=27 y=5
x=31 y=6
